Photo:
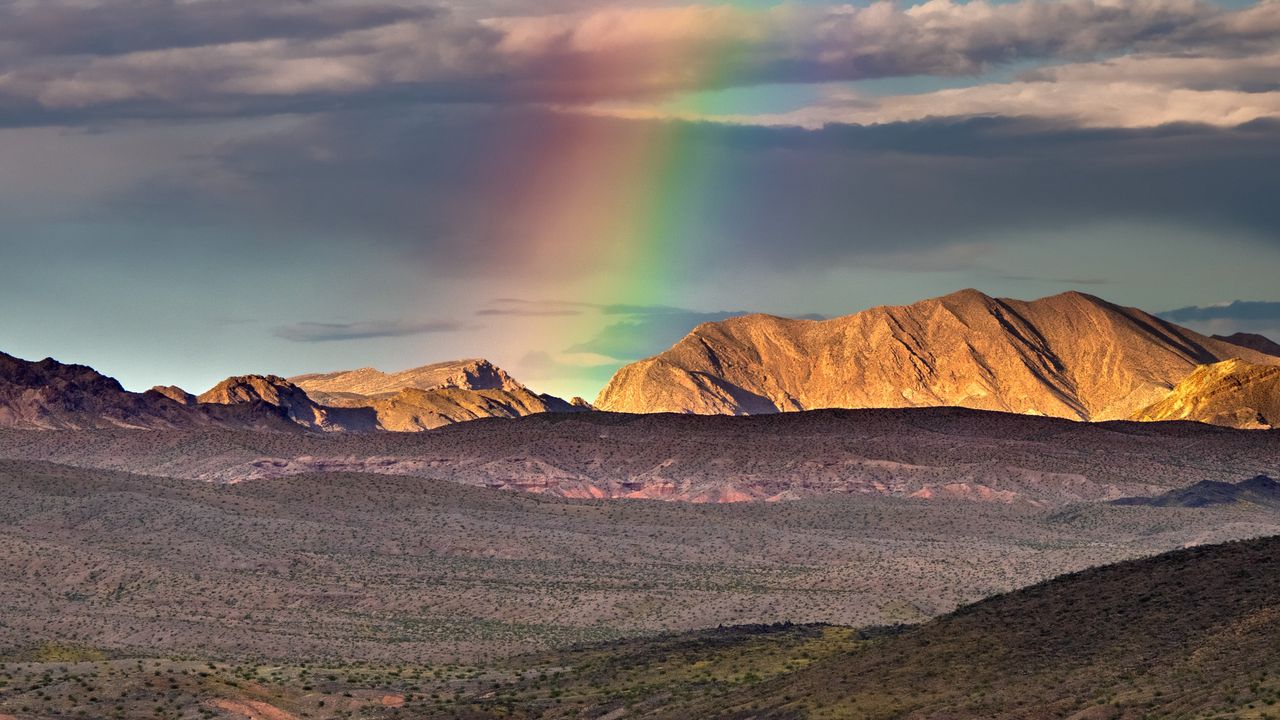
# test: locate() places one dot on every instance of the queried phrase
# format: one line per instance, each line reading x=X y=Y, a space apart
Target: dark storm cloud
x=57 y=27
x=438 y=184
x=1241 y=310
x=334 y=332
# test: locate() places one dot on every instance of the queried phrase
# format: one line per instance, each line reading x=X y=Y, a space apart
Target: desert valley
x=639 y=360
x=731 y=522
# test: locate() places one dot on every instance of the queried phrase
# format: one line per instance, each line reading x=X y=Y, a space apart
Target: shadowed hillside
x=1261 y=491
x=936 y=453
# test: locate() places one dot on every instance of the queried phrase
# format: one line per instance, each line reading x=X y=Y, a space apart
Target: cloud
x=79 y=62
x=120 y=27
x=312 y=332
x=1235 y=310
x=518 y=312
x=925 y=195
x=1260 y=317
x=642 y=335
x=1125 y=92
x=518 y=307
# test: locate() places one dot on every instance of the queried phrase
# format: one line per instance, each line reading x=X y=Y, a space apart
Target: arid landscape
x=639 y=360
x=276 y=549
x=1186 y=634
x=364 y=567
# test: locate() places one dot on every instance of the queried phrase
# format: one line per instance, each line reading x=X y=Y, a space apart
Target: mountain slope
x=1192 y=633
x=1253 y=341
x=290 y=401
x=1233 y=393
x=412 y=409
x=49 y=395
x=1189 y=634
x=431 y=396
x=469 y=374
x=1071 y=355
x=1261 y=491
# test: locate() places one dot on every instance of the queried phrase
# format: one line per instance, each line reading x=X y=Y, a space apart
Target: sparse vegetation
x=1191 y=634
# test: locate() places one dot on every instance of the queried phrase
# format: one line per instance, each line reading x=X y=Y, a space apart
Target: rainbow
x=608 y=205
x=640 y=199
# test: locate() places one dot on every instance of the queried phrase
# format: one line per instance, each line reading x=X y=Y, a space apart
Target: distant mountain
x=431 y=396
x=469 y=374
x=49 y=395
x=176 y=394
x=1233 y=393
x=1071 y=355
x=1260 y=490
x=1253 y=341
x=412 y=409
x=290 y=401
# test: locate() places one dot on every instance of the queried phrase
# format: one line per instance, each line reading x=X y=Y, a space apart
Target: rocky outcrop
x=175 y=393
x=1070 y=355
x=431 y=396
x=413 y=410
x=291 y=401
x=1233 y=393
x=470 y=374
x=50 y=395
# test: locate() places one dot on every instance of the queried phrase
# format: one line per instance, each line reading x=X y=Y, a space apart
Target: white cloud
x=1125 y=92
x=611 y=52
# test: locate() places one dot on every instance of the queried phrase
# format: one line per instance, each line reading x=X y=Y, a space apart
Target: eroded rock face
x=50 y=395
x=175 y=393
x=291 y=401
x=1070 y=355
x=469 y=374
x=412 y=410
x=432 y=396
x=1233 y=393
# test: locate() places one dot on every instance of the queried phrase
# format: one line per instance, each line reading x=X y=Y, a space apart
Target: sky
x=191 y=189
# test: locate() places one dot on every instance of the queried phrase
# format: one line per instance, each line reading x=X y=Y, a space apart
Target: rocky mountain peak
x=1070 y=355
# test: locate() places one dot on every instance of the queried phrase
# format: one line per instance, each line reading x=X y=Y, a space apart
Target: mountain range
x=49 y=395
x=1253 y=341
x=1071 y=355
